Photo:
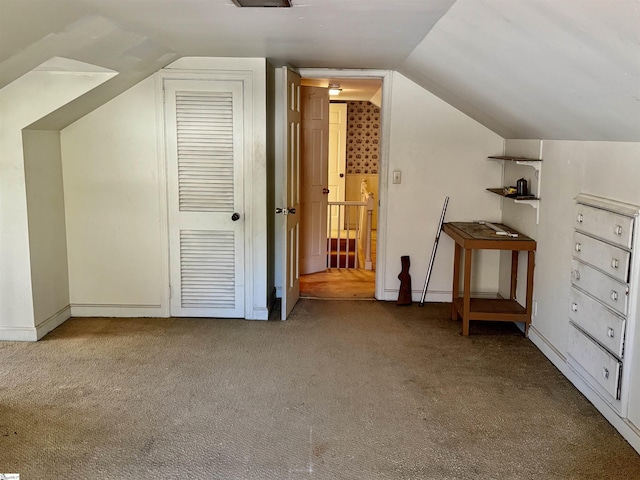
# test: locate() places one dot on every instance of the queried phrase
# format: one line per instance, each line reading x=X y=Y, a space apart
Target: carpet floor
x=342 y=390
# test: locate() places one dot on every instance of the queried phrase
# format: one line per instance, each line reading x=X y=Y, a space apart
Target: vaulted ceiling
x=562 y=69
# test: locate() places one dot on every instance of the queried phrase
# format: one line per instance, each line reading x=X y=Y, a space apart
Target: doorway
x=354 y=166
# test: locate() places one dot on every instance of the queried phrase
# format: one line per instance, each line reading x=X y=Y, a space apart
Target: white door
x=314 y=171
x=337 y=156
x=204 y=148
x=290 y=200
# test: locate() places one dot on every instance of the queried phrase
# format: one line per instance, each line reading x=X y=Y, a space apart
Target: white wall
x=22 y=102
x=114 y=185
x=571 y=168
x=47 y=235
x=441 y=152
x=111 y=187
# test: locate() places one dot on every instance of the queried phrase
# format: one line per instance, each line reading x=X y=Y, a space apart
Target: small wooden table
x=474 y=236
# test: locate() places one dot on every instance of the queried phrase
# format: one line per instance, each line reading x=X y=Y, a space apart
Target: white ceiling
x=566 y=69
x=553 y=69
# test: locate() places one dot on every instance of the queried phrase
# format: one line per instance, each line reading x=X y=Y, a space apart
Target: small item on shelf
x=509 y=191
x=521 y=188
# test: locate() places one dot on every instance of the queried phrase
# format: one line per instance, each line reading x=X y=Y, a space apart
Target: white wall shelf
x=531 y=200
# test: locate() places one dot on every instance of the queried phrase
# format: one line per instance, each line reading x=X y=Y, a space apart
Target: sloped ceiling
x=551 y=69
x=555 y=69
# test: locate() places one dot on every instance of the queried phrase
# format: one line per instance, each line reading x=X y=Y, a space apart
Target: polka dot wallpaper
x=363 y=137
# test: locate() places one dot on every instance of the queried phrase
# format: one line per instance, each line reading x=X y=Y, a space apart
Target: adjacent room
x=177 y=175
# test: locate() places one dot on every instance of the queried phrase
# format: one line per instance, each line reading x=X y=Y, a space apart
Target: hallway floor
x=339 y=283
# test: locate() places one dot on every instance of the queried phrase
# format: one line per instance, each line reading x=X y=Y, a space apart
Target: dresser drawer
x=611 y=260
x=598 y=321
x=613 y=227
x=598 y=363
x=609 y=291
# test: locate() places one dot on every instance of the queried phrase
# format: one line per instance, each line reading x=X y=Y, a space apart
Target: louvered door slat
x=208 y=274
x=205 y=133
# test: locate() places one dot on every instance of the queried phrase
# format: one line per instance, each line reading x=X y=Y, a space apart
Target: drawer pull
x=614 y=295
x=580 y=218
x=605 y=372
x=574 y=307
x=576 y=274
x=610 y=332
x=618 y=230
x=614 y=263
x=578 y=247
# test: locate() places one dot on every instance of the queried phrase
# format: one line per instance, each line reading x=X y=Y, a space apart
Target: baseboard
x=18 y=334
x=53 y=322
x=116 y=310
x=439 y=296
x=548 y=350
x=630 y=433
x=260 y=313
x=626 y=429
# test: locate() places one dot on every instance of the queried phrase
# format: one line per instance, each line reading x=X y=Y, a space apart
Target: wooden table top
x=478 y=236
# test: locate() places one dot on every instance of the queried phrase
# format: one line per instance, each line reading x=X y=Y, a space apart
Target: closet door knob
x=235 y=217
x=578 y=247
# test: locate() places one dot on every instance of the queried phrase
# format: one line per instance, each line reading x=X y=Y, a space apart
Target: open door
x=314 y=171
x=289 y=203
x=337 y=156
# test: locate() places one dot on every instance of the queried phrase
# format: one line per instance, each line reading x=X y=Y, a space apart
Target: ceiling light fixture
x=263 y=3
x=334 y=89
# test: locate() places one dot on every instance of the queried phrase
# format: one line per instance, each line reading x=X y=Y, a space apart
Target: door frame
x=252 y=73
x=385 y=134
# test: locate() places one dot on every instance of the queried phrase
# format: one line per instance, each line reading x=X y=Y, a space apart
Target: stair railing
x=366 y=219
x=363 y=213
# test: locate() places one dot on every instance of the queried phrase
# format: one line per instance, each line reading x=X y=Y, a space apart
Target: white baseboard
x=54 y=321
x=116 y=310
x=391 y=295
x=18 y=334
x=260 y=313
x=626 y=429
x=33 y=334
x=623 y=426
x=548 y=350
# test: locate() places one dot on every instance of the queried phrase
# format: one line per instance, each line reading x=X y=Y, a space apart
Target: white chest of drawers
x=603 y=303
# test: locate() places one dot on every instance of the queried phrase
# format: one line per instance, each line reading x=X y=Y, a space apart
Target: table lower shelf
x=493 y=309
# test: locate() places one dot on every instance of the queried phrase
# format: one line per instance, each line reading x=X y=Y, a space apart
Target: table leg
x=466 y=292
x=530 y=266
x=514 y=274
x=455 y=290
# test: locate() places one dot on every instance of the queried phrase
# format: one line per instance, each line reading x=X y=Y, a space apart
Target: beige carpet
x=343 y=390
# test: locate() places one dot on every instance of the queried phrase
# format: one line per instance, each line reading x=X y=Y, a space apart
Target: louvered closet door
x=204 y=139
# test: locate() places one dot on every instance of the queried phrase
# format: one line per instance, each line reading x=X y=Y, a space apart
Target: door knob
x=325 y=191
x=342 y=175
x=235 y=217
